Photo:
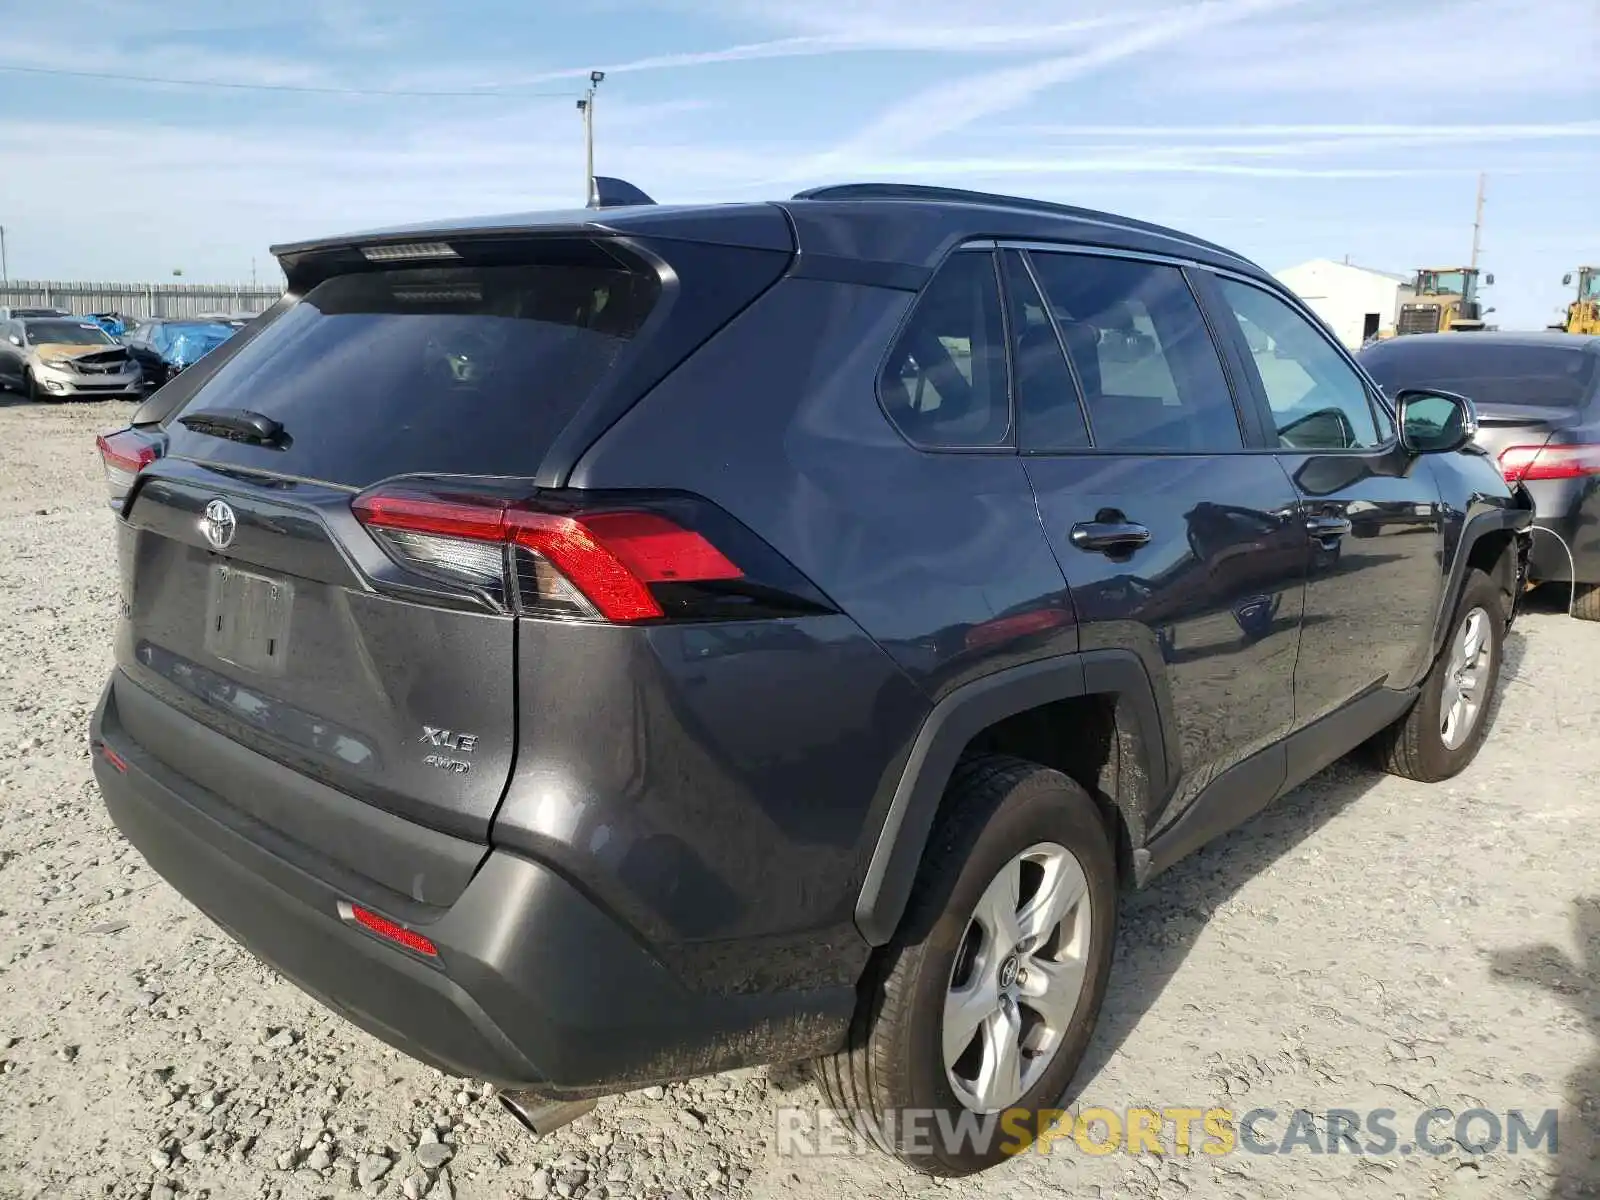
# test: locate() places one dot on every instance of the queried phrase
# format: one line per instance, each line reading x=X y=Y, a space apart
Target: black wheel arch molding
x=962 y=714
x=1484 y=520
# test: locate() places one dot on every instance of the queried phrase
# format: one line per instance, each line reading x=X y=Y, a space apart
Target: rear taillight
x=640 y=559
x=124 y=454
x=1524 y=464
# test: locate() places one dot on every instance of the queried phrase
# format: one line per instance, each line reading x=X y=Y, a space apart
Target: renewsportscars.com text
x=1174 y=1131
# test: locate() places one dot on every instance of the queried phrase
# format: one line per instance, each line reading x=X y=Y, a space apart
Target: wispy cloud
x=1424 y=56
x=946 y=108
x=1441 y=132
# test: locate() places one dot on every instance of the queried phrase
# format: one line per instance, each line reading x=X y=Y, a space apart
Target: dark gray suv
x=601 y=648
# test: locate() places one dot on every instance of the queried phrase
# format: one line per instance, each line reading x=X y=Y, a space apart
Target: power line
x=282 y=87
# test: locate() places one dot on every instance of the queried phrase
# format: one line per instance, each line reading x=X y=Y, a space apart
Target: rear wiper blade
x=237 y=425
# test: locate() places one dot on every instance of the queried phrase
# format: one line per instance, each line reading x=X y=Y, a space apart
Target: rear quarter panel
x=777 y=420
x=774 y=780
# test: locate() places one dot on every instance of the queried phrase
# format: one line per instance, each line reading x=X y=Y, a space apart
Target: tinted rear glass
x=471 y=370
x=1497 y=376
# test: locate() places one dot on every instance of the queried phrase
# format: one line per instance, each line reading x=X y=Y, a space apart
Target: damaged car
x=64 y=358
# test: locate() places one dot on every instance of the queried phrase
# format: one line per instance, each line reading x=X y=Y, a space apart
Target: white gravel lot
x=1366 y=943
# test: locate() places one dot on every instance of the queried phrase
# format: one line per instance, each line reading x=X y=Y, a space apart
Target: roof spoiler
x=608 y=192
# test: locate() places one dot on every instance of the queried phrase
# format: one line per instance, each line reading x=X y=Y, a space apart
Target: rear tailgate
x=271 y=651
x=279 y=642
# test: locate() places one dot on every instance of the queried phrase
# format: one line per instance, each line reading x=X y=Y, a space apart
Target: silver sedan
x=65 y=357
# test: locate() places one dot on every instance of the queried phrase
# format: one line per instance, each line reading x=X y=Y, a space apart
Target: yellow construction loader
x=1443 y=299
x=1583 y=314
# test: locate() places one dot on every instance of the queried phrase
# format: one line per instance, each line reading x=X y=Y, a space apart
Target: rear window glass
x=1496 y=375
x=469 y=370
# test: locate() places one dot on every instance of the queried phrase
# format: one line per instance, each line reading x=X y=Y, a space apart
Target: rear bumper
x=1567 y=522
x=534 y=986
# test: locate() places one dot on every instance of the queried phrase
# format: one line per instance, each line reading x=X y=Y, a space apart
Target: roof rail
x=610 y=192
x=918 y=191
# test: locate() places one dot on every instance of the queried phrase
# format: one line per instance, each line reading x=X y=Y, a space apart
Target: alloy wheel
x=1466 y=679
x=1017 y=978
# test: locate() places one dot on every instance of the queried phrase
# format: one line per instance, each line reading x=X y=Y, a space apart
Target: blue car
x=165 y=347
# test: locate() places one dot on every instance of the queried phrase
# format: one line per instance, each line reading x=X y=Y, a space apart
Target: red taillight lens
x=389 y=930
x=112 y=757
x=579 y=565
x=124 y=454
x=1524 y=464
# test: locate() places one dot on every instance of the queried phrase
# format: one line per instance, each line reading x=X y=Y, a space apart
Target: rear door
x=258 y=606
x=1371 y=513
x=1174 y=536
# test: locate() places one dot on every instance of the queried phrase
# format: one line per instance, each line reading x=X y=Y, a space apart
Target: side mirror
x=1435 y=422
x=1488 y=280
x=1566 y=280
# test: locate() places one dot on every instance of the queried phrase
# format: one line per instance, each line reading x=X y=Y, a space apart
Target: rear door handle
x=1109 y=536
x=1327 y=528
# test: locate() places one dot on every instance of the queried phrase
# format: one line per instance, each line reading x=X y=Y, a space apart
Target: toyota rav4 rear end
x=466 y=752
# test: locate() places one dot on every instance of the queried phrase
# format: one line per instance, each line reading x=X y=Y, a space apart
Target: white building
x=1355 y=302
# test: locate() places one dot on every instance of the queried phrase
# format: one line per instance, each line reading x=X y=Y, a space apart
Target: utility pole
x=1477 y=221
x=4 y=272
x=586 y=107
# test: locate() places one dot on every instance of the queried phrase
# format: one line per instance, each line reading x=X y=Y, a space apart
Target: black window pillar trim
x=1026 y=257
x=1249 y=403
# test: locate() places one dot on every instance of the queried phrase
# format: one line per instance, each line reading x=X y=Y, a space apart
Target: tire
x=1586 y=604
x=30 y=388
x=1419 y=745
x=997 y=812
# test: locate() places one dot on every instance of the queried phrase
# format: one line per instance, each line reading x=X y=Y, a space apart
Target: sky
x=1284 y=129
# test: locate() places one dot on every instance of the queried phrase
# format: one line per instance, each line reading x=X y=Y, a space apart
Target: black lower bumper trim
x=535 y=987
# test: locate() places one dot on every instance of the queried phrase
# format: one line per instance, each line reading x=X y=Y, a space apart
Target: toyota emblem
x=219 y=524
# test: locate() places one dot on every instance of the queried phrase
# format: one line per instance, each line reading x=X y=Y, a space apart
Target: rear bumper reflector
x=388 y=930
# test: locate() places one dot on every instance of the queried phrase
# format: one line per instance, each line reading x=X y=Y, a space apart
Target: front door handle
x=1326 y=528
x=1109 y=537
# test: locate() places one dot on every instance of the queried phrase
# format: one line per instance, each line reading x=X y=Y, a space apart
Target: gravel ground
x=1367 y=942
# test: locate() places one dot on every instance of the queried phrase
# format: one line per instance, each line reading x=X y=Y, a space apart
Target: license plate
x=247 y=619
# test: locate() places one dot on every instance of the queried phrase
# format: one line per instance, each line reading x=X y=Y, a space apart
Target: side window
x=945 y=382
x=1152 y=379
x=1317 y=399
x=1048 y=413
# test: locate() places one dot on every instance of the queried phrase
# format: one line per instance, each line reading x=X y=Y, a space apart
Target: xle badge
x=449 y=739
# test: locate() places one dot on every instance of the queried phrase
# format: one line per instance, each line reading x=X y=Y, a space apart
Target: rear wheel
x=1443 y=730
x=30 y=386
x=983 y=1003
x=1586 y=604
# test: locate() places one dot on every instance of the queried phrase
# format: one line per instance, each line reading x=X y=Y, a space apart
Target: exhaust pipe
x=541 y=1116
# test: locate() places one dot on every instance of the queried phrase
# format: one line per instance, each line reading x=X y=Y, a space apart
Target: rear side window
x=1500 y=376
x=1152 y=379
x=465 y=370
x=945 y=382
x=1048 y=412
